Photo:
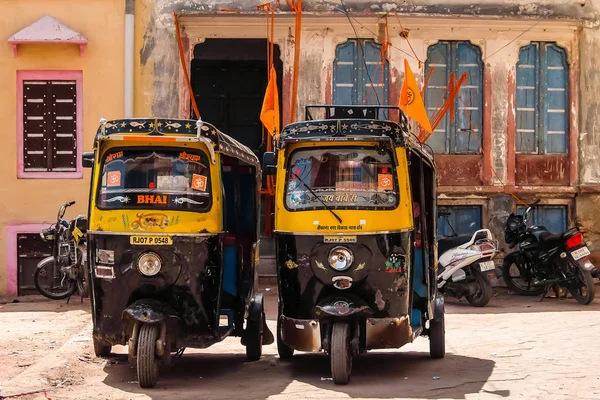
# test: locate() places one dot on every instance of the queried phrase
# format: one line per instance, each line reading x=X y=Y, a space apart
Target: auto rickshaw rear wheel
x=285 y=351
x=254 y=338
x=340 y=353
x=437 y=336
x=101 y=349
x=147 y=362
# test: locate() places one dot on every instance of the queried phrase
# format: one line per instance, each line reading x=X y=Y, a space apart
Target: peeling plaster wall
x=589 y=145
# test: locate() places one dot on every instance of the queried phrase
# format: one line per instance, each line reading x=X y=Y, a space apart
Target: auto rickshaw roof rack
x=176 y=130
x=347 y=123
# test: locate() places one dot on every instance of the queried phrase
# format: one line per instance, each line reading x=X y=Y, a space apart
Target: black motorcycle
x=544 y=260
x=63 y=273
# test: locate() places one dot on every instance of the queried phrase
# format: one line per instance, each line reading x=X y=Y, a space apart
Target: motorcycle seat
x=451 y=242
x=548 y=240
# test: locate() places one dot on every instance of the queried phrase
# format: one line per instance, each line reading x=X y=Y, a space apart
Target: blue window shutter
x=464 y=219
x=527 y=100
x=345 y=73
x=455 y=57
x=553 y=218
x=468 y=59
x=374 y=83
x=438 y=57
x=556 y=109
x=542 y=121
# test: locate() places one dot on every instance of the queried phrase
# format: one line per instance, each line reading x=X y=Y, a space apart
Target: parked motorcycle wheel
x=484 y=292
x=83 y=286
x=147 y=362
x=583 y=290
x=53 y=285
x=340 y=353
x=511 y=273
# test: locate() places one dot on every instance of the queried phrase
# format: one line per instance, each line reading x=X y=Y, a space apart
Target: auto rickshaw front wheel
x=147 y=362
x=254 y=338
x=340 y=353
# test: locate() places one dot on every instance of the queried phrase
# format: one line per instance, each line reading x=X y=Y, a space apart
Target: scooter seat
x=452 y=242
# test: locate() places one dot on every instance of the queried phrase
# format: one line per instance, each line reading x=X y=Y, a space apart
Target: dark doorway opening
x=229 y=79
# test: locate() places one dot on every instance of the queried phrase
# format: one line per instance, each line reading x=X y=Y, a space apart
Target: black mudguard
x=343 y=306
x=148 y=311
x=257 y=308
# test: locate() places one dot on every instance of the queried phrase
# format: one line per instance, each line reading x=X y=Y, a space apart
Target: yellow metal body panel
x=154 y=220
x=322 y=222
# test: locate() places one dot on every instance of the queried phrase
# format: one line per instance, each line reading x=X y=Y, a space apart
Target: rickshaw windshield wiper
x=328 y=208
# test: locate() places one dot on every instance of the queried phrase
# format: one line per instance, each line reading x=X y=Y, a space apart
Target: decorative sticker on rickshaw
x=395 y=263
x=151 y=199
x=189 y=157
x=114 y=156
x=386 y=181
x=152 y=220
x=289 y=264
x=199 y=182
x=114 y=179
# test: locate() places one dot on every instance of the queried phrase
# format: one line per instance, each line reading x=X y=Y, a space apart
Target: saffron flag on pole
x=411 y=102
x=269 y=115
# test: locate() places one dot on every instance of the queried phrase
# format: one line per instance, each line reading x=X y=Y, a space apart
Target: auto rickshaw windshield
x=344 y=178
x=155 y=178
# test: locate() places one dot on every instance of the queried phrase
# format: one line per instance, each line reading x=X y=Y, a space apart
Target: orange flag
x=269 y=115
x=411 y=102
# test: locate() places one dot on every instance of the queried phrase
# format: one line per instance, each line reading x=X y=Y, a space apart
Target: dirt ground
x=515 y=348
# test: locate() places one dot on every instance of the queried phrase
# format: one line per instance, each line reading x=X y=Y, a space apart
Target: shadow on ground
x=376 y=374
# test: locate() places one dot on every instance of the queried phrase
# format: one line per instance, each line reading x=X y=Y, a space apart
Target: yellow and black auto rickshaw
x=172 y=241
x=355 y=223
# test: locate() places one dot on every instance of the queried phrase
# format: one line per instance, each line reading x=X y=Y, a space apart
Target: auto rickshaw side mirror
x=269 y=163
x=87 y=159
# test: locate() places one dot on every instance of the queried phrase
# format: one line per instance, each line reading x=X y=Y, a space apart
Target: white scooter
x=464 y=266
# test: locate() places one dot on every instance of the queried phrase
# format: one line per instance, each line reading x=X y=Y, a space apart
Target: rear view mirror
x=87 y=159
x=269 y=163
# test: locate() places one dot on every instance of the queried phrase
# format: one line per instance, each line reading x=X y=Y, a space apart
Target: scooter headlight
x=340 y=258
x=149 y=264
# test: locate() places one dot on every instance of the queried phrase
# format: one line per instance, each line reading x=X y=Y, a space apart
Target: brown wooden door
x=31 y=249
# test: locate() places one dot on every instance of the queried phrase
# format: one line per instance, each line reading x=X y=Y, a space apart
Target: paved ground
x=515 y=348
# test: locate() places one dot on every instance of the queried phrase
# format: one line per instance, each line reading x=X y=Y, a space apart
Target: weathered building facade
x=526 y=123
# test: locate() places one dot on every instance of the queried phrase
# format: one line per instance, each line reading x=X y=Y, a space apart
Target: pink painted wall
x=76 y=76
x=12 y=267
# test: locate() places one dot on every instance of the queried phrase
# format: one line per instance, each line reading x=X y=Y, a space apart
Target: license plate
x=580 y=253
x=487 y=265
x=151 y=240
x=339 y=239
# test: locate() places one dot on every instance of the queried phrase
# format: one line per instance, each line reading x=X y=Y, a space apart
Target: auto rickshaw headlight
x=149 y=264
x=340 y=258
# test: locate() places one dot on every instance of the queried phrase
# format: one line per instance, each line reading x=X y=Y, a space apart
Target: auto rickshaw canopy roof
x=161 y=129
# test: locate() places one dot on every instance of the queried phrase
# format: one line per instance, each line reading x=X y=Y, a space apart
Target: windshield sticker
x=168 y=182
x=151 y=199
x=122 y=199
x=114 y=178
x=189 y=157
x=199 y=182
x=114 y=156
x=385 y=181
x=181 y=200
x=344 y=198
